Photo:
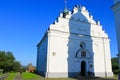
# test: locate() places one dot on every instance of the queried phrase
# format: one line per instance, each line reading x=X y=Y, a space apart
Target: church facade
x=74 y=45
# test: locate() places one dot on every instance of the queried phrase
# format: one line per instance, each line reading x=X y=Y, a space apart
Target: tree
x=7 y=62
x=115 y=65
x=16 y=66
x=10 y=56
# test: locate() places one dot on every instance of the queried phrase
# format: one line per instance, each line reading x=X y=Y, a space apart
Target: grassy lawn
x=0 y=74
x=27 y=76
x=11 y=76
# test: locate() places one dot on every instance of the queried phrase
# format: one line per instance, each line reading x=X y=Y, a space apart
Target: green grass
x=1 y=74
x=26 y=75
x=11 y=76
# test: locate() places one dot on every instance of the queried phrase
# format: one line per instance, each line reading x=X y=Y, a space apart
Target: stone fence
x=3 y=76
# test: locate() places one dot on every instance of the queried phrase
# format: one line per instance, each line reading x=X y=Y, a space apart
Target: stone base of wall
x=56 y=75
x=103 y=74
x=73 y=74
x=59 y=75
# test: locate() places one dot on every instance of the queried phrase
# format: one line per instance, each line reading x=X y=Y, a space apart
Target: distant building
x=116 y=9
x=30 y=68
x=74 y=45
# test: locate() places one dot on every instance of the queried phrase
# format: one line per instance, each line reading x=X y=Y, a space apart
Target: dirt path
x=18 y=77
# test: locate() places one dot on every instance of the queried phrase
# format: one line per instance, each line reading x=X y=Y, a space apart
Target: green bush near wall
x=115 y=65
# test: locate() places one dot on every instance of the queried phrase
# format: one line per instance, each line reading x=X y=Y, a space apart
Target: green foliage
x=115 y=65
x=16 y=66
x=7 y=62
x=116 y=71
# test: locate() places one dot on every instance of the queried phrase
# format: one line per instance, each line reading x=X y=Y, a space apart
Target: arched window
x=83 y=54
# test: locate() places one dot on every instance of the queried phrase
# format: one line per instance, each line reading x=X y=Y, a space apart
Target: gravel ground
x=18 y=77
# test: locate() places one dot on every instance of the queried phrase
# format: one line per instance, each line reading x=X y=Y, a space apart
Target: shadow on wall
x=80 y=55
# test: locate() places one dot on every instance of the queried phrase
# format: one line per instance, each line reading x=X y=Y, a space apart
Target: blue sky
x=24 y=22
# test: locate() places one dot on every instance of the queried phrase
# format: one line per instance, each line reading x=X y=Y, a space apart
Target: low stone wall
x=3 y=77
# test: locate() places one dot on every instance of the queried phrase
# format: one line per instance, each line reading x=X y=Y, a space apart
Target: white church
x=74 y=45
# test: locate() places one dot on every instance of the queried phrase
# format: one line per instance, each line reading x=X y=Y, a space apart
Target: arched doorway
x=83 y=68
